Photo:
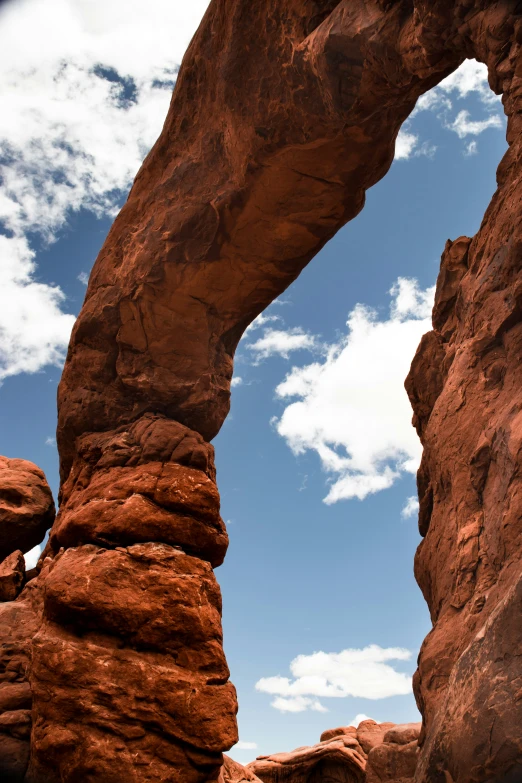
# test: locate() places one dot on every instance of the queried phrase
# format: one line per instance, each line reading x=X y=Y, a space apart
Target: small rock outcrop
x=20 y=621
x=232 y=772
x=12 y=575
x=371 y=753
x=394 y=760
x=340 y=759
x=26 y=506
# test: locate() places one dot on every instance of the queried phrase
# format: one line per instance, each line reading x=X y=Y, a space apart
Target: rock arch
x=284 y=113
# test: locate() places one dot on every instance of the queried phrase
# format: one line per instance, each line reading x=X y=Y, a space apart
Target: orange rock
x=339 y=759
x=12 y=573
x=26 y=506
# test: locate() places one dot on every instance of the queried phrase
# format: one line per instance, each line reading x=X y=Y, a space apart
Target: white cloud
x=471 y=149
x=236 y=381
x=245 y=745
x=34 y=331
x=352 y=409
x=262 y=319
x=83 y=277
x=85 y=89
x=410 y=508
x=361 y=673
x=359 y=719
x=408 y=146
x=297 y=704
x=405 y=145
x=282 y=342
x=31 y=558
x=464 y=126
x=470 y=80
x=50 y=441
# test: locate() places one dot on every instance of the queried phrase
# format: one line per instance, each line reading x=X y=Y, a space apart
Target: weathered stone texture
x=284 y=113
x=26 y=506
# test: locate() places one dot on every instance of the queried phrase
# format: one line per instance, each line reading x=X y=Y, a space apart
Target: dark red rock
x=12 y=574
x=26 y=506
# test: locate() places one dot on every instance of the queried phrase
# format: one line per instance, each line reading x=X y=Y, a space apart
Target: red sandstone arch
x=283 y=114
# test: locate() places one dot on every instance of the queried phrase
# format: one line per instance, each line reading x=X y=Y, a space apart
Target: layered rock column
x=283 y=114
x=129 y=674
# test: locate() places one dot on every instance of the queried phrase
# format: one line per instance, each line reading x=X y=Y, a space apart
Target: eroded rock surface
x=394 y=759
x=249 y=178
x=232 y=772
x=12 y=575
x=19 y=623
x=336 y=760
x=26 y=506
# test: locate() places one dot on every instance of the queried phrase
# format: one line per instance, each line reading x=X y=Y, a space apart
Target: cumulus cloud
x=410 y=508
x=85 y=89
x=236 y=381
x=408 y=146
x=351 y=408
x=361 y=673
x=282 y=342
x=33 y=329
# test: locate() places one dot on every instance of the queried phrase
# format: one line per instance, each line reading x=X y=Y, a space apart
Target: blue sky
x=322 y=616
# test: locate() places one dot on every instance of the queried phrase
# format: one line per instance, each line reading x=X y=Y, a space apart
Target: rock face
x=19 y=622
x=464 y=386
x=339 y=759
x=232 y=772
x=371 y=753
x=249 y=178
x=26 y=506
x=394 y=760
x=12 y=574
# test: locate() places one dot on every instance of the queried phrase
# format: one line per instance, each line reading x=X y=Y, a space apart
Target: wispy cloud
x=282 y=342
x=410 y=508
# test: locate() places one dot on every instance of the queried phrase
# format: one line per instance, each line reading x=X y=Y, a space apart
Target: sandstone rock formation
x=394 y=760
x=371 y=753
x=284 y=113
x=19 y=622
x=26 y=506
x=336 y=760
x=12 y=575
x=232 y=772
